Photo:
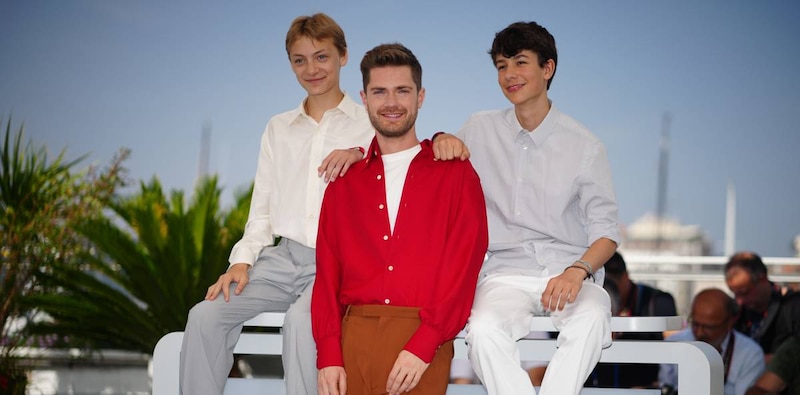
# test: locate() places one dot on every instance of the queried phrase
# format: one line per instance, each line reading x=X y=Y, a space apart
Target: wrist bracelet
x=588 y=266
x=588 y=274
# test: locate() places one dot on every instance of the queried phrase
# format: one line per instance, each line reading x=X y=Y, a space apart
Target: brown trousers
x=372 y=338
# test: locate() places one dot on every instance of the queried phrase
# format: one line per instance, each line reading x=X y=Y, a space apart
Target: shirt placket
x=522 y=145
x=314 y=197
x=386 y=236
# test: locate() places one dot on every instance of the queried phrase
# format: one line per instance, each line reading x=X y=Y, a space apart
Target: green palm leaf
x=152 y=259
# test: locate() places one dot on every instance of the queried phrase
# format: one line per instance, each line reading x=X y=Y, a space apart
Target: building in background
x=654 y=236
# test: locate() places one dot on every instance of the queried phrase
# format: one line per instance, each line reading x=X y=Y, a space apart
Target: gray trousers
x=281 y=280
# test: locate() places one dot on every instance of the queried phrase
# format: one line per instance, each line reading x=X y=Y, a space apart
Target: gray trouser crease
x=281 y=280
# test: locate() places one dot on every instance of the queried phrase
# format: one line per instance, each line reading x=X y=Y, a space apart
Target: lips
x=514 y=88
x=392 y=113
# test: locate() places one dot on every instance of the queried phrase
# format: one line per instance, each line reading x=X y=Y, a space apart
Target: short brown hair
x=391 y=55
x=317 y=27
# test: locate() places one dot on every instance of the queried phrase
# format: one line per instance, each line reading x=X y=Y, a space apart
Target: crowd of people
x=380 y=247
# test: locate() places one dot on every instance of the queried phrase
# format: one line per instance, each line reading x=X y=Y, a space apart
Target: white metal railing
x=684 y=276
x=704 y=268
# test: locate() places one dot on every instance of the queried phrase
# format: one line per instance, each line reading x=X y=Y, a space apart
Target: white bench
x=699 y=364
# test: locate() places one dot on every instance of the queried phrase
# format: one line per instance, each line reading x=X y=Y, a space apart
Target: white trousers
x=502 y=313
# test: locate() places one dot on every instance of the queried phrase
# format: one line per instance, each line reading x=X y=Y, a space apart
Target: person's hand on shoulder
x=448 y=147
x=235 y=274
x=337 y=162
x=406 y=373
x=332 y=380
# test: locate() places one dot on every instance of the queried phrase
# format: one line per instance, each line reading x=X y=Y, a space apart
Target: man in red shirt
x=401 y=241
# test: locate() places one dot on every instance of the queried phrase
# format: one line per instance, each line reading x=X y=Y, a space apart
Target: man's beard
x=392 y=130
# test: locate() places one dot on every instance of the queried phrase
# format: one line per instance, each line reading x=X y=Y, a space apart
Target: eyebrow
x=297 y=55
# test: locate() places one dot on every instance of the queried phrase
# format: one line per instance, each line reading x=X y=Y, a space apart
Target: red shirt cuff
x=424 y=343
x=329 y=352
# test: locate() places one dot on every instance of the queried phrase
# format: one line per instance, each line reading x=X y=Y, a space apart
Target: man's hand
x=236 y=274
x=337 y=163
x=332 y=380
x=406 y=373
x=563 y=289
x=448 y=147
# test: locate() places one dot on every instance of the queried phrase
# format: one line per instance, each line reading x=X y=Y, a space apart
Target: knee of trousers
x=296 y=318
x=481 y=335
x=204 y=314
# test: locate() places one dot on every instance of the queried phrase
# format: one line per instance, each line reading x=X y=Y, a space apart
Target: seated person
x=712 y=317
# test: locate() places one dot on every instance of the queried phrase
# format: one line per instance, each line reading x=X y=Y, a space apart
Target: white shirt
x=747 y=362
x=287 y=193
x=395 y=170
x=549 y=193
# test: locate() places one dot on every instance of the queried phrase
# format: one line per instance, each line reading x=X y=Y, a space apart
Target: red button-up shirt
x=430 y=261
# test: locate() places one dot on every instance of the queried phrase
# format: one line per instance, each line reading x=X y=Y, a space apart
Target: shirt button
x=379 y=176
x=391 y=268
x=386 y=301
x=524 y=147
x=380 y=206
x=385 y=237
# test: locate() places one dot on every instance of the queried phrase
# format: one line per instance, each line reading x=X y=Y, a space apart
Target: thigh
x=507 y=303
x=271 y=284
x=301 y=307
x=592 y=299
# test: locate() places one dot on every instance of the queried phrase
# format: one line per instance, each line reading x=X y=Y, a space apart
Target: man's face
x=392 y=100
x=316 y=65
x=748 y=293
x=521 y=78
x=710 y=323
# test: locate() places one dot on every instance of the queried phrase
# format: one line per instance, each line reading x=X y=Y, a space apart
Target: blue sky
x=94 y=76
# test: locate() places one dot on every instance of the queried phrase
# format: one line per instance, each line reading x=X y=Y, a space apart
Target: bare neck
x=391 y=145
x=531 y=114
x=316 y=105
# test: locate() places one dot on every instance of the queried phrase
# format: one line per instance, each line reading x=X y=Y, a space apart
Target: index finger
x=465 y=153
x=395 y=379
x=342 y=385
x=226 y=288
x=547 y=295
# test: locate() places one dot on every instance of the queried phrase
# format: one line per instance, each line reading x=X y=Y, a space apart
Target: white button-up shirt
x=549 y=193
x=288 y=192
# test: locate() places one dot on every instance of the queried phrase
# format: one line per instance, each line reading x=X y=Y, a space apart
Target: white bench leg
x=167 y=364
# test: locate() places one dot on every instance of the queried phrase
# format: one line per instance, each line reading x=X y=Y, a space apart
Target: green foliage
x=153 y=259
x=40 y=200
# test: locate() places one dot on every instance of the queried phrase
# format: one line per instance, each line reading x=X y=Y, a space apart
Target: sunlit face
x=392 y=100
x=710 y=323
x=521 y=78
x=316 y=65
x=748 y=293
